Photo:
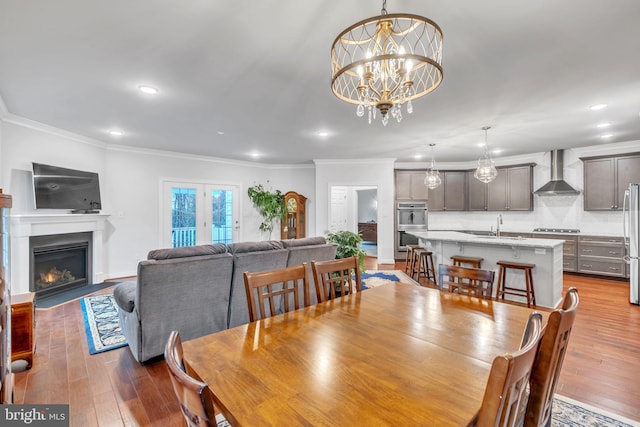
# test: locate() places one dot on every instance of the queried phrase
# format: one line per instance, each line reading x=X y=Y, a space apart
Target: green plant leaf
x=348 y=245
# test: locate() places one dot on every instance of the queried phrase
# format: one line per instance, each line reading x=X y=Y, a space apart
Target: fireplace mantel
x=24 y=226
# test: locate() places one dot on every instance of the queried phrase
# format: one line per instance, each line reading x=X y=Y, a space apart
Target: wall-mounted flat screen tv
x=62 y=188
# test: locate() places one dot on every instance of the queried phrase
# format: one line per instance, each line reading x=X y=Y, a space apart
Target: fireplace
x=59 y=262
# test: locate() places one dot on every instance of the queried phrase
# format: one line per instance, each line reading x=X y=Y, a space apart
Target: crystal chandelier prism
x=486 y=171
x=432 y=178
x=387 y=61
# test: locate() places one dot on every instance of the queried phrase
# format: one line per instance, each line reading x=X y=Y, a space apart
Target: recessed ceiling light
x=496 y=151
x=598 y=107
x=220 y=132
x=148 y=89
x=607 y=135
x=604 y=125
x=254 y=154
x=481 y=144
x=116 y=133
x=417 y=156
x=322 y=134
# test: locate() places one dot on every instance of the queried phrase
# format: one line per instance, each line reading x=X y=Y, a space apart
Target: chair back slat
x=505 y=395
x=548 y=362
x=188 y=390
x=467 y=280
x=278 y=290
x=335 y=278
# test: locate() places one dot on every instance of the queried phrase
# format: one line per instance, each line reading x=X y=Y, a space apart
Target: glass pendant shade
x=486 y=171
x=432 y=178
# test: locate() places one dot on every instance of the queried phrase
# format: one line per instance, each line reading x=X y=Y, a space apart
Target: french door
x=199 y=213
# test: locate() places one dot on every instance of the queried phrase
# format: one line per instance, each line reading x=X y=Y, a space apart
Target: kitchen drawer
x=598 y=266
x=601 y=239
x=570 y=245
x=569 y=263
x=599 y=250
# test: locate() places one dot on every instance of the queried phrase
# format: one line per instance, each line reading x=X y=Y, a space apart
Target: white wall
x=130 y=184
x=367 y=173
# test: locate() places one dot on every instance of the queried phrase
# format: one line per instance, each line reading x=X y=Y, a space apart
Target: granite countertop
x=581 y=233
x=455 y=236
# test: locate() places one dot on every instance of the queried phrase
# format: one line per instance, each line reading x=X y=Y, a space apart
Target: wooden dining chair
x=470 y=281
x=189 y=391
x=504 y=394
x=281 y=289
x=548 y=361
x=336 y=277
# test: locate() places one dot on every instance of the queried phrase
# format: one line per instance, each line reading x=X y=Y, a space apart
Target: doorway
x=355 y=208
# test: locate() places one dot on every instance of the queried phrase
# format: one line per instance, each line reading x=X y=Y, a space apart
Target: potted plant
x=348 y=245
x=270 y=205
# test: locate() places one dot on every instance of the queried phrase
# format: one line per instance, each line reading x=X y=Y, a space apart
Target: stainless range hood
x=557 y=185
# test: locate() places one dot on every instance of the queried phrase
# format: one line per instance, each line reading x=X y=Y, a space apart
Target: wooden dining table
x=396 y=354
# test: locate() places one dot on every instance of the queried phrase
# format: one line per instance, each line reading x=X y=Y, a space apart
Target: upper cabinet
x=606 y=179
x=450 y=195
x=410 y=185
x=512 y=190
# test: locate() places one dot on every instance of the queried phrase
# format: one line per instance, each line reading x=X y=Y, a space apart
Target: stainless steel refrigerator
x=631 y=225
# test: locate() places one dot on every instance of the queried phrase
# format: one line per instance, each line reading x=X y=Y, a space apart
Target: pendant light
x=432 y=178
x=486 y=171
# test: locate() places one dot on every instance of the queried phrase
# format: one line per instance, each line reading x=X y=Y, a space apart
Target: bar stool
x=409 y=259
x=472 y=262
x=422 y=264
x=503 y=289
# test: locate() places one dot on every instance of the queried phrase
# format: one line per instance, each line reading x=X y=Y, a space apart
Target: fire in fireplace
x=59 y=262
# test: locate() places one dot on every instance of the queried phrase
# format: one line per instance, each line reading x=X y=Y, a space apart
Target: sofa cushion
x=187 y=251
x=307 y=241
x=125 y=295
x=244 y=247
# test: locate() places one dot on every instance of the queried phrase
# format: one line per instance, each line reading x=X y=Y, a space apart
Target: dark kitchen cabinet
x=450 y=195
x=410 y=185
x=477 y=193
x=512 y=190
x=601 y=255
x=606 y=178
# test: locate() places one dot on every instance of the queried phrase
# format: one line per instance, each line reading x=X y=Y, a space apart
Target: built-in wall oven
x=409 y=216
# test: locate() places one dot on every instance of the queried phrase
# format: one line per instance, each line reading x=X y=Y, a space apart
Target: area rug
x=373 y=278
x=568 y=412
x=101 y=323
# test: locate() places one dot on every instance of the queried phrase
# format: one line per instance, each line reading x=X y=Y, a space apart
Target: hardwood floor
x=602 y=367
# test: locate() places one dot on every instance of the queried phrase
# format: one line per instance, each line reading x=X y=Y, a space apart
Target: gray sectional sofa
x=199 y=290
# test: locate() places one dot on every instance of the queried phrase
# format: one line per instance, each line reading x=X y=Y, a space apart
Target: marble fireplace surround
x=24 y=226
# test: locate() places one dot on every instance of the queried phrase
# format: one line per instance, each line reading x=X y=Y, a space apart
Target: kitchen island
x=546 y=254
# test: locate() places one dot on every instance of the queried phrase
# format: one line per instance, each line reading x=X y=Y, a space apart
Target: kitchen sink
x=502 y=237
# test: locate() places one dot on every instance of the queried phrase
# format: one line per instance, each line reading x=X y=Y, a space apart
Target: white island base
x=546 y=254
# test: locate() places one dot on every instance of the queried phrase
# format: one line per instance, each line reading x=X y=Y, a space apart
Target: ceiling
x=250 y=80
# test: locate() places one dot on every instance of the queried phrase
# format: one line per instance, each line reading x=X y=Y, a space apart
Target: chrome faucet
x=498 y=223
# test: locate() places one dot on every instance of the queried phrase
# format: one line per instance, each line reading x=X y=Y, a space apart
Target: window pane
x=183 y=217
x=222 y=216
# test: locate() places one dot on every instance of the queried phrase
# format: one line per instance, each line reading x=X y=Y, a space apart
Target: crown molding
x=353 y=161
x=51 y=130
x=186 y=156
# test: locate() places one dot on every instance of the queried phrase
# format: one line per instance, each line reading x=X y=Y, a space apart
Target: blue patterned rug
x=571 y=413
x=373 y=278
x=101 y=323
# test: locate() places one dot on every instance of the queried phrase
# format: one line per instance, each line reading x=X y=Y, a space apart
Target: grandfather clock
x=294 y=225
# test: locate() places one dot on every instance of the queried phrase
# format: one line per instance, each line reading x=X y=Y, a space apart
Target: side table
x=23 y=327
